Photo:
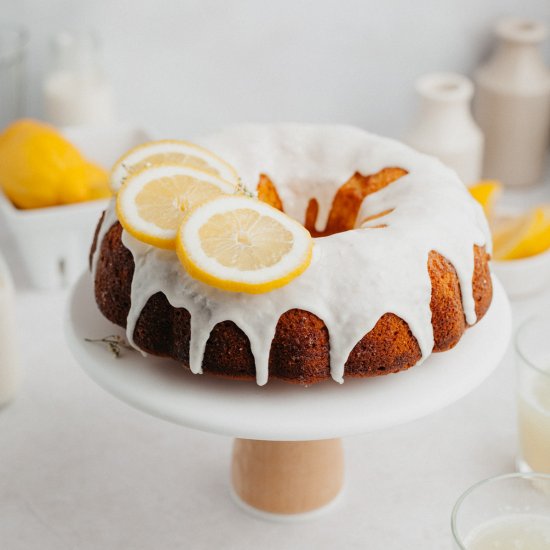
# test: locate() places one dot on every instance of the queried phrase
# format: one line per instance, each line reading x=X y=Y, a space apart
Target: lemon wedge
x=486 y=193
x=240 y=244
x=151 y=204
x=523 y=236
x=173 y=152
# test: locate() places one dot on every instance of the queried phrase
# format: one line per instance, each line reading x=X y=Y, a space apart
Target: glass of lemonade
x=509 y=512
x=533 y=394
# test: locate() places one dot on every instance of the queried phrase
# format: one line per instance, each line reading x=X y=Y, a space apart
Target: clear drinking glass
x=13 y=45
x=509 y=512
x=533 y=394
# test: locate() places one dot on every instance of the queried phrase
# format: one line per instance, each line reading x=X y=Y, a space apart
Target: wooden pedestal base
x=287 y=477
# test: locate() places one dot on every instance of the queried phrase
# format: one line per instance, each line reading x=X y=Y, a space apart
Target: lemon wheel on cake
x=398 y=267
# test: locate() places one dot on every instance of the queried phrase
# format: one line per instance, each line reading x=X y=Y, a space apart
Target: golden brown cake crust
x=300 y=348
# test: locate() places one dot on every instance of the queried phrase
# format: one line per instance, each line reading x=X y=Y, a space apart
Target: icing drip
x=355 y=277
x=109 y=218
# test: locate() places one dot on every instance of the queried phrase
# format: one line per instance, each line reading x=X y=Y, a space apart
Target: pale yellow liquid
x=519 y=532
x=534 y=426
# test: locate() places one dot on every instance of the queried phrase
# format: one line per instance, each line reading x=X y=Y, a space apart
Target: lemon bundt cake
x=399 y=266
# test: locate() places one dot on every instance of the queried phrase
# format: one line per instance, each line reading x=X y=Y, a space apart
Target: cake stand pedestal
x=287 y=456
x=288 y=478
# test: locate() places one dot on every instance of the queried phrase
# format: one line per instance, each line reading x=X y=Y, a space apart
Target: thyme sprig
x=241 y=189
x=114 y=342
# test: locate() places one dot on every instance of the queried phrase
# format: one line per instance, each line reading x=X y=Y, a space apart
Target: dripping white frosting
x=355 y=277
x=109 y=218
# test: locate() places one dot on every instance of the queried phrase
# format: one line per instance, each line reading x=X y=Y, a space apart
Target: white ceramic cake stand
x=287 y=456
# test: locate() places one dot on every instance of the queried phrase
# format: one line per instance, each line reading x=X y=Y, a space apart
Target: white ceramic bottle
x=76 y=91
x=512 y=104
x=444 y=126
x=9 y=356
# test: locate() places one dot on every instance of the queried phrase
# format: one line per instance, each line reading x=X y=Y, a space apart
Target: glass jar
x=13 y=45
x=76 y=91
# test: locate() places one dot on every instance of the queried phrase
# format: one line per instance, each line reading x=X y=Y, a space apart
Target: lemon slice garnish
x=486 y=193
x=173 y=152
x=152 y=203
x=523 y=236
x=240 y=244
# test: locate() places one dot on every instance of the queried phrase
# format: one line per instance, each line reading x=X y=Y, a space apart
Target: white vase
x=9 y=352
x=444 y=126
x=512 y=104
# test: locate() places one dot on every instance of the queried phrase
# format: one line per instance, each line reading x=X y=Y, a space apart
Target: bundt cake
x=404 y=278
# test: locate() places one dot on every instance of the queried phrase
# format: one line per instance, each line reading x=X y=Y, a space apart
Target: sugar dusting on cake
x=356 y=276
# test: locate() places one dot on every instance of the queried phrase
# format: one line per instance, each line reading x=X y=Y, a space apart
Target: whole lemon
x=39 y=167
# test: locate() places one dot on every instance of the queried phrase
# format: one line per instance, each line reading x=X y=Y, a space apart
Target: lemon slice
x=151 y=203
x=243 y=245
x=486 y=192
x=523 y=236
x=171 y=152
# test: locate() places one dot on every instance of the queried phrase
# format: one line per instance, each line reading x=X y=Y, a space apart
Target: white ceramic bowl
x=524 y=277
x=53 y=243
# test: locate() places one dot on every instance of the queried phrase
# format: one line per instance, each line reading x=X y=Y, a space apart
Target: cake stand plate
x=279 y=411
x=279 y=424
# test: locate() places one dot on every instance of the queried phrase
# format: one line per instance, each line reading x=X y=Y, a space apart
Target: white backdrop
x=188 y=66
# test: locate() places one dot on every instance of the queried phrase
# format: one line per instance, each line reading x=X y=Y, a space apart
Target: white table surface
x=81 y=470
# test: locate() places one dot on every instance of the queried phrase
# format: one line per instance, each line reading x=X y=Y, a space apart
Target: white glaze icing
x=109 y=218
x=356 y=276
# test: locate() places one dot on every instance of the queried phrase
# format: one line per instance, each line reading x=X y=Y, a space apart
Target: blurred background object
x=76 y=90
x=187 y=67
x=9 y=352
x=513 y=103
x=13 y=44
x=41 y=168
x=521 y=240
x=53 y=242
x=506 y=512
x=444 y=126
x=533 y=394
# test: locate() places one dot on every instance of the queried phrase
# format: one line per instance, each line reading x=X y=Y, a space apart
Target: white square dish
x=53 y=243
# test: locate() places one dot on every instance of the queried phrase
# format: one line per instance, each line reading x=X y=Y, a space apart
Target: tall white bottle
x=512 y=104
x=444 y=126
x=9 y=352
